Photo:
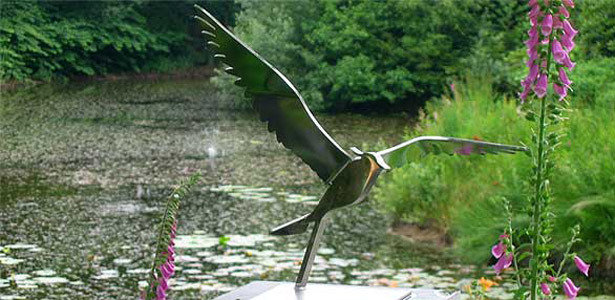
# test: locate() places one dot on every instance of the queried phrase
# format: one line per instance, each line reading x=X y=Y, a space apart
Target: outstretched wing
x=277 y=101
x=415 y=148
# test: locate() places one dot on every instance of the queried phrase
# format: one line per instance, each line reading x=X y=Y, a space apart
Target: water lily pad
x=44 y=272
x=19 y=277
x=326 y=251
x=27 y=286
x=185 y=258
x=10 y=261
x=11 y=297
x=247 y=240
x=51 y=280
x=340 y=262
x=106 y=274
x=122 y=261
x=269 y=199
x=142 y=284
x=226 y=259
x=195 y=241
x=20 y=246
x=241 y=274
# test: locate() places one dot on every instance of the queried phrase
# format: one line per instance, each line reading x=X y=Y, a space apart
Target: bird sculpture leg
x=310 y=253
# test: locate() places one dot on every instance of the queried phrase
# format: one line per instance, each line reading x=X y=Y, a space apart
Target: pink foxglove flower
x=504 y=262
x=167 y=269
x=545 y=289
x=498 y=250
x=557 y=24
x=547 y=25
x=564 y=12
x=552 y=279
x=534 y=14
x=523 y=95
x=531 y=43
x=562 y=91
x=559 y=55
x=541 y=86
x=581 y=265
x=568 y=63
x=567 y=42
x=560 y=42
x=563 y=77
x=531 y=77
x=568 y=29
x=570 y=289
x=569 y=3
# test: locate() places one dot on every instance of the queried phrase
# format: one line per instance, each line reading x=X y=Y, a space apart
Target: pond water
x=85 y=170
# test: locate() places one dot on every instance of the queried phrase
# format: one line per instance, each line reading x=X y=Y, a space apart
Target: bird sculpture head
x=375 y=156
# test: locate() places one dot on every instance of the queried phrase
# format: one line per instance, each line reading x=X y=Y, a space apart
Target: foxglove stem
x=511 y=244
x=537 y=211
x=539 y=188
x=575 y=232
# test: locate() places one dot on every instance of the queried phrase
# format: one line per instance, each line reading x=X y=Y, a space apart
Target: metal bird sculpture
x=350 y=176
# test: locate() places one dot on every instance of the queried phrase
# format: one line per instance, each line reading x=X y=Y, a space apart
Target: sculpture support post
x=310 y=253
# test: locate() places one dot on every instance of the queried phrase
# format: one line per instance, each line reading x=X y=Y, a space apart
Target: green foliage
x=43 y=40
x=582 y=183
x=416 y=187
x=593 y=83
x=597 y=24
x=351 y=53
x=223 y=241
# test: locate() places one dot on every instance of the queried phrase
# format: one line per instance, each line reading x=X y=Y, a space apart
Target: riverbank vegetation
x=463 y=196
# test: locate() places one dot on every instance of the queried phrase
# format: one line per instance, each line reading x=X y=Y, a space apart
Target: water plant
x=551 y=39
x=163 y=266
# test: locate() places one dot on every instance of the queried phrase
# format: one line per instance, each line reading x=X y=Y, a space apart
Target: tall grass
x=462 y=195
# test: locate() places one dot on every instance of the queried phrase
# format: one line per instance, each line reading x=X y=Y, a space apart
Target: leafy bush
x=354 y=53
x=593 y=83
x=42 y=40
x=597 y=24
x=473 y=112
x=417 y=187
x=470 y=202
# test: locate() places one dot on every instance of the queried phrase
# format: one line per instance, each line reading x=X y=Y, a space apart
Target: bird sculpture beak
x=356 y=151
x=380 y=161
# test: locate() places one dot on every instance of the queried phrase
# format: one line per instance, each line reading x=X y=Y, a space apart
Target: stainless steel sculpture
x=350 y=175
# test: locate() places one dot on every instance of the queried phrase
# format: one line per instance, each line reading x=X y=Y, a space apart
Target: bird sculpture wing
x=415 y=148
x=277 y=101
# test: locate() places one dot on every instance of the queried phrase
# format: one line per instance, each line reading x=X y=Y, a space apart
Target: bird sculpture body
x=350 y=176
x=350 y=186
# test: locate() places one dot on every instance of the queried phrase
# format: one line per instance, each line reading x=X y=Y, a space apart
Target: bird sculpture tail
x=295 y=226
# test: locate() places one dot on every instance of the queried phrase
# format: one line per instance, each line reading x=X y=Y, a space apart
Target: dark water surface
x=85 y=169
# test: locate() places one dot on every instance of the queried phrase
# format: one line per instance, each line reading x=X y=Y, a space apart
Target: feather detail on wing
x=415 y=148
x=277 y=101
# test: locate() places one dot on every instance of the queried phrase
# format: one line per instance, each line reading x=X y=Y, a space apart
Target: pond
x=85 y=170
